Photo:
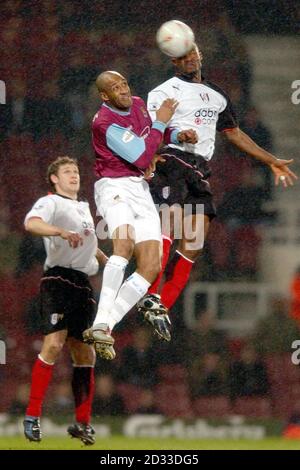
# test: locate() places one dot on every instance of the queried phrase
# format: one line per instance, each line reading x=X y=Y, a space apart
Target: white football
x=175 y=38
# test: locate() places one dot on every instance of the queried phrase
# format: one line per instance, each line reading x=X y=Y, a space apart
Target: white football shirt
x=74 y=216
x=203 y=107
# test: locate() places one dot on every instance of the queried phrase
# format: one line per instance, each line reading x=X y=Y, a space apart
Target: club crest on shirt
x=56 y=317
x=166 y=192
x=127 y=137
x=204 y=97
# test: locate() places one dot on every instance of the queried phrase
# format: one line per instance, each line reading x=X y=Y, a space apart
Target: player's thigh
x=53 y=343
x=118 y=218
x=123 y=239
x=171 y=220
x=55 y=302
x=148 y=226
x=81 y=353
x=112 y=197
x=195 y=229
x=83 y=313
x=148 y=255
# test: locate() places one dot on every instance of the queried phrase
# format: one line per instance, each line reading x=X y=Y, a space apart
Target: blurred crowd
x=202 y=372
x=51 y=53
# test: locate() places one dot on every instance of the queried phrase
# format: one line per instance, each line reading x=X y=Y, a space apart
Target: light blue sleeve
x=125 y=143
x=160 y=126
x=174 y=135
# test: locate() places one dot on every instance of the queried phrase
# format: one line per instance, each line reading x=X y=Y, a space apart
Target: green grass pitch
x=125 y=443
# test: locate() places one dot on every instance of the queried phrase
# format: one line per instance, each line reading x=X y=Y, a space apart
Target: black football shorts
x=66 y=302
x=182 y=179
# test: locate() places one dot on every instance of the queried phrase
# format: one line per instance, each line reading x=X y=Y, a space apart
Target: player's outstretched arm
x=279 y=167
x=137 y=150
x=38 y=226
x=149 y=172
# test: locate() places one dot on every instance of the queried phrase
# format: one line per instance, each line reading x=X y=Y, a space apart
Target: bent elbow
x=142 y=166
x=233 y=134
x=143 y=162
x=27 y=226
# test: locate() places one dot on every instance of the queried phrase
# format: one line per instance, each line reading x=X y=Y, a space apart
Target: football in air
x=175 y=38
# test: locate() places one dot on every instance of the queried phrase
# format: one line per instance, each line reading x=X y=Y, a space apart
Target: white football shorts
x=127 y=201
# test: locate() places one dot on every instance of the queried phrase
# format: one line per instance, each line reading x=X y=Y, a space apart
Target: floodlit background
x=233 y=329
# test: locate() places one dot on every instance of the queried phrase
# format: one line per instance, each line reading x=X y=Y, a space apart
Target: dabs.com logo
x=2 y=92
x=2 y=352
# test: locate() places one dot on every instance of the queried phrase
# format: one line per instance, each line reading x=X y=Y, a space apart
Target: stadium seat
x=21 y=155
x=122 y=340
x=31 y=282
x=283 y=406
x=216 y=407
x=25 y=191
x=48 y=148
x=131 y=396
x=7 y=390
x=172 y=373
x=11 y=299
x=246 y=242
x=173 y=400
x=281 y=371
x=286 y=398
x=219 y=245
x=274 y=367
x=291 y=371
x=253 y=407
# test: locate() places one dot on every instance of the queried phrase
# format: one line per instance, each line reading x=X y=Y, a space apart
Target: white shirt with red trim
x=203 y=107
x=71 y=215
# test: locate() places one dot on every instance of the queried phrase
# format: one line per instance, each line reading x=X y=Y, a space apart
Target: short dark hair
x=56 y=164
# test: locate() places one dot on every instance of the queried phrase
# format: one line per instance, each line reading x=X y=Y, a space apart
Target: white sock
x=133 y=289
x=113 y=276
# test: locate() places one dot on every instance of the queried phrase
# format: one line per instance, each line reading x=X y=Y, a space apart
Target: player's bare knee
x=151 y=269
x=51 y=350
x=91 y=356
x=85 y=355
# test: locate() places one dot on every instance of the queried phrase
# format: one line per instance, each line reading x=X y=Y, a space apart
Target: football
x=175 y=38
